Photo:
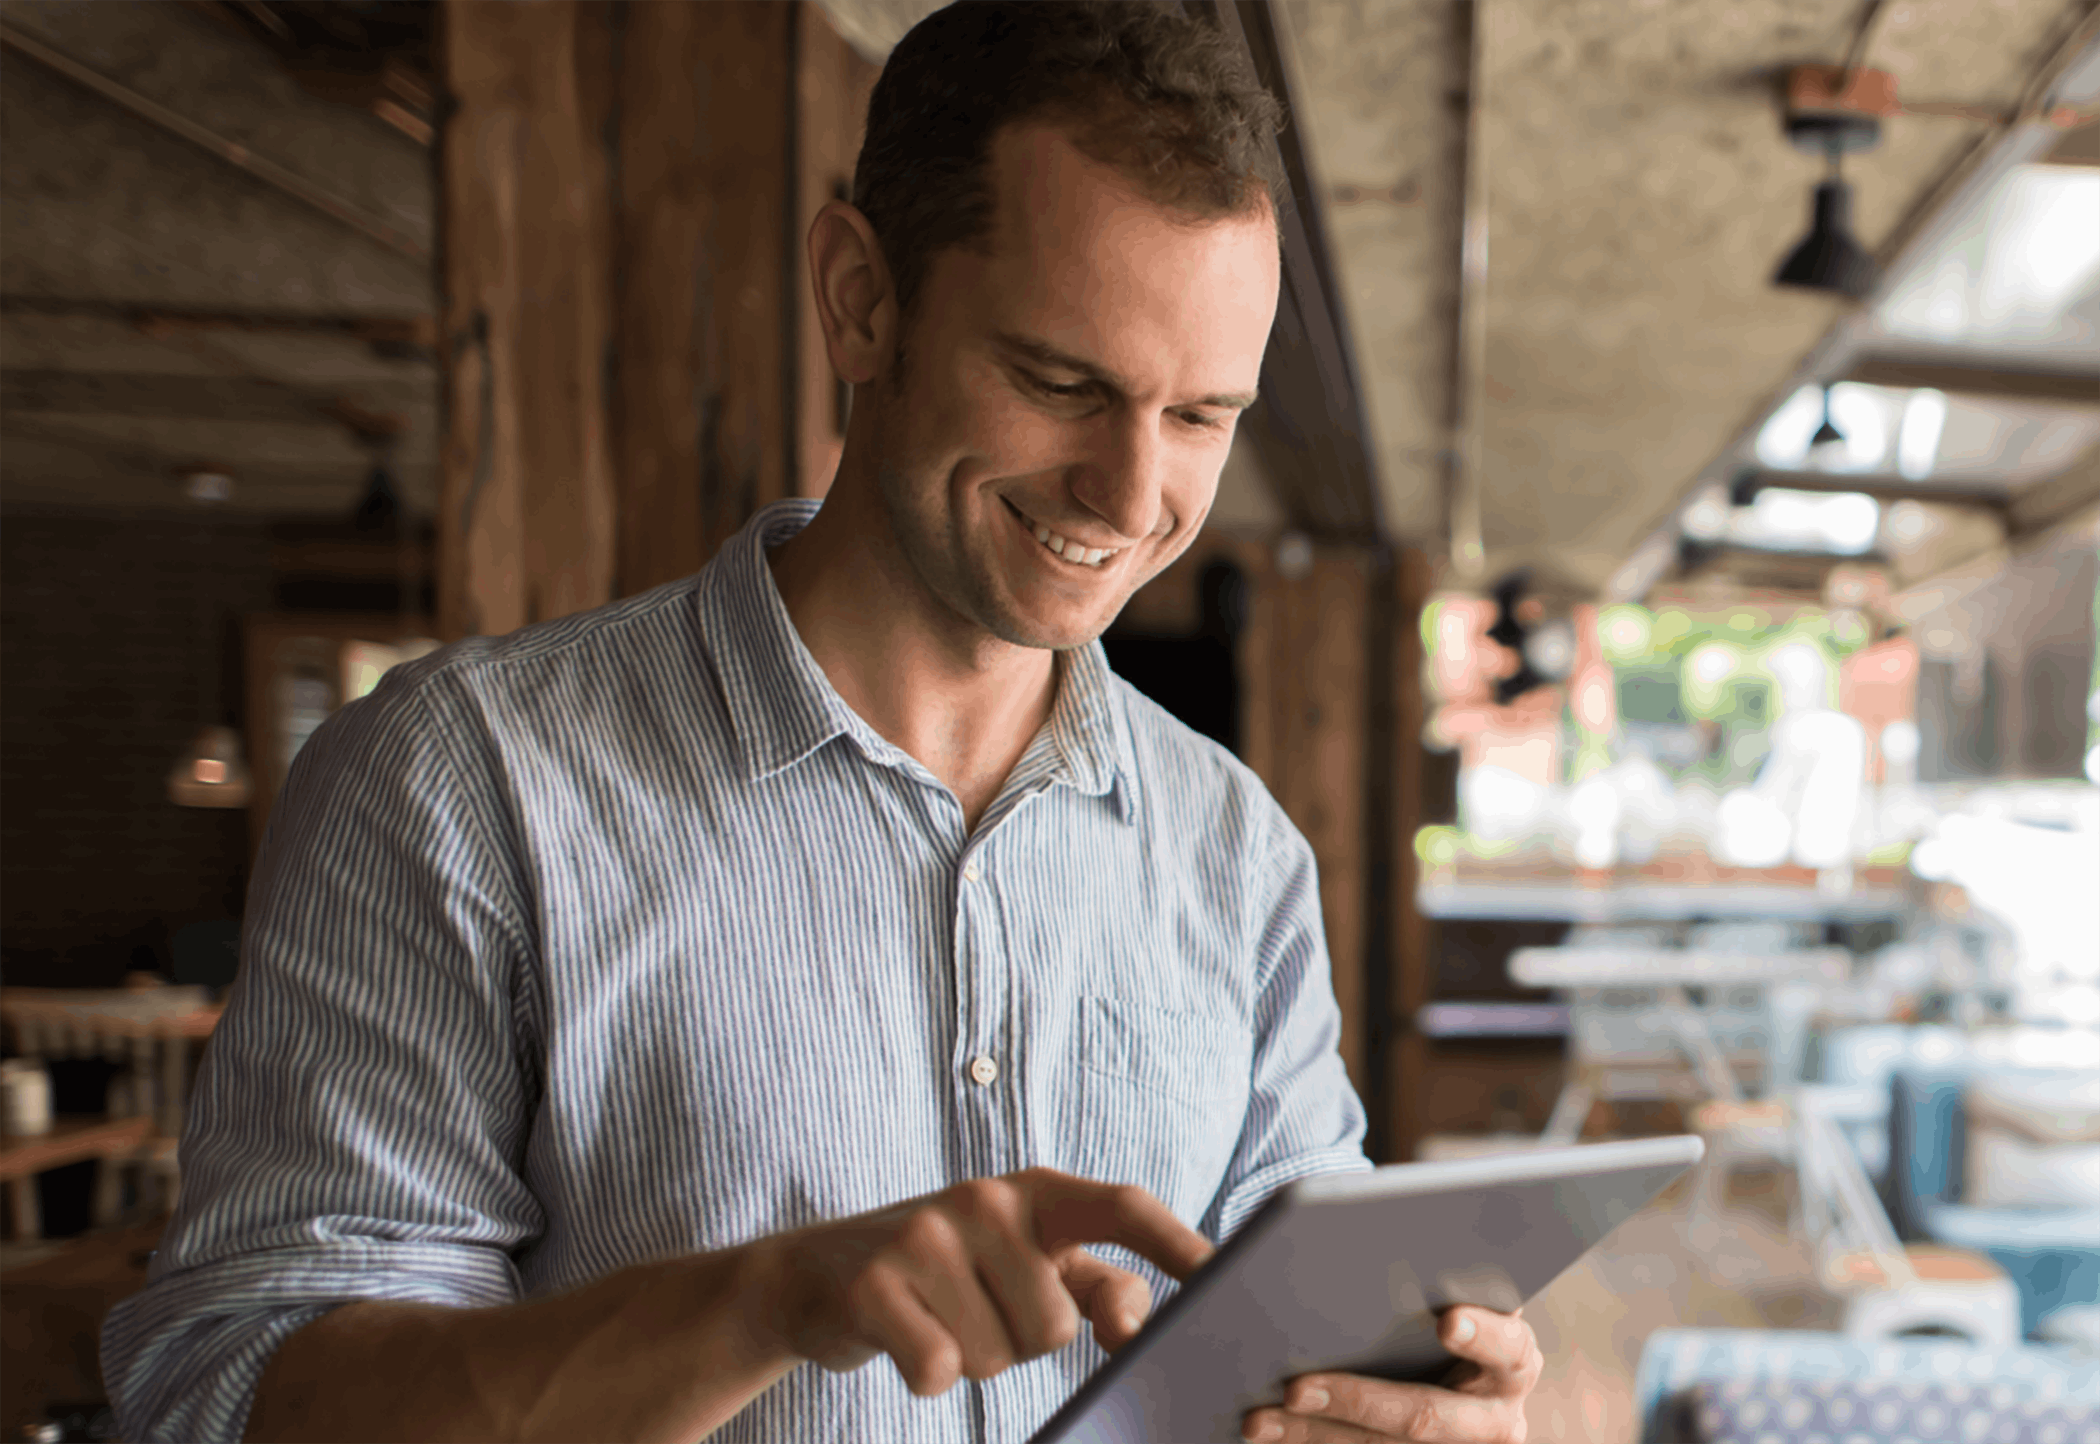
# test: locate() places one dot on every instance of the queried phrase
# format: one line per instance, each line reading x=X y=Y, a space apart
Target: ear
x=856 y=302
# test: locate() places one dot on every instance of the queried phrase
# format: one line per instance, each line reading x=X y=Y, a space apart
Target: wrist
x=755 y=1284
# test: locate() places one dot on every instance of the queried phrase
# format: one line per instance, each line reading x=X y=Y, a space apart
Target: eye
x=1064 y=391
x=1205 y=420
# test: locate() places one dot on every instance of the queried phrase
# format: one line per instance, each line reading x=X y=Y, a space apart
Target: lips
x=1067 y=550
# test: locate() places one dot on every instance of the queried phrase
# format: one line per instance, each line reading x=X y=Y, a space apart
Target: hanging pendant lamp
x=1829 y=258
x=1828 y=442
x=211 y=773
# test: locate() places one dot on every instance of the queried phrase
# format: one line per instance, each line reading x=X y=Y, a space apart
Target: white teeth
x=1072 y=551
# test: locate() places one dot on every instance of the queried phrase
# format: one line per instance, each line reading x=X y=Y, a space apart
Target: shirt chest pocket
x=1164 y=1097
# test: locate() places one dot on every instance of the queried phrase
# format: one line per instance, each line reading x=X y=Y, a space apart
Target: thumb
x=1115 y=1301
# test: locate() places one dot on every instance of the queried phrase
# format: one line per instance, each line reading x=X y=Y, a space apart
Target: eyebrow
x=1042 y=353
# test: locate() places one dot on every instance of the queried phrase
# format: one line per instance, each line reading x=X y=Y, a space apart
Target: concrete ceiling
x=1638 y=196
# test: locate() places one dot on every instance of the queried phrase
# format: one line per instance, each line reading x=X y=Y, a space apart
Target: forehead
x=1081 y=259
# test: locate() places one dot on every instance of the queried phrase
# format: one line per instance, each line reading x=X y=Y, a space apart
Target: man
x=607 y=985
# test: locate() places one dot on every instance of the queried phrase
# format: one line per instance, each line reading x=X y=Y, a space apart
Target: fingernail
x=1266 y=1429
x=1464 y=1330
x=1311 y=1400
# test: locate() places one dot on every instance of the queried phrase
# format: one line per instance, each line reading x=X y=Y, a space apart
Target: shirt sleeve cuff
x=183 y=1357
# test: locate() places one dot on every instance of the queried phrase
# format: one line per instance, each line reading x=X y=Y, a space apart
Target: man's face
x=1079 y=383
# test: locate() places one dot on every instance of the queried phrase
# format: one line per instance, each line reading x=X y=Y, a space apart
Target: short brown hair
x=1163 y=98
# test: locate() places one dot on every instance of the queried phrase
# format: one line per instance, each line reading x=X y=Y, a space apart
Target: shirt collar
x=782 y=707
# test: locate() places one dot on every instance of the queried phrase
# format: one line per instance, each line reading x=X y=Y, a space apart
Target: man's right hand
x=967 y=1282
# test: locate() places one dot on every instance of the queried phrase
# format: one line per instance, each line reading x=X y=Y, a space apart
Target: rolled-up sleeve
x=359 y=1123
x=1303 y=1116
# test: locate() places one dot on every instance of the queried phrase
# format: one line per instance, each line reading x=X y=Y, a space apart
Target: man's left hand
x=1481 y=1402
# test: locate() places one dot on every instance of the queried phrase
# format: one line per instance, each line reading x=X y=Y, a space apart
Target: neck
x=961 y=701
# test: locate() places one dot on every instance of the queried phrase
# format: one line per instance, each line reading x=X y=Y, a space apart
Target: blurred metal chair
x=1889 y=1290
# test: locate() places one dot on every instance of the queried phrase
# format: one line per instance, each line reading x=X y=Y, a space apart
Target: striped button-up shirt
x=623 y=937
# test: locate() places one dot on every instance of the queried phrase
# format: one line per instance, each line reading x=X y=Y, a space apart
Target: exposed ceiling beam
x=1889 y=488
x=185 y=398
x=2063 y=496
x=1309 y=426
x=2042 y=118
x=231 y=152
x=2027 y=509
x=2079 y=387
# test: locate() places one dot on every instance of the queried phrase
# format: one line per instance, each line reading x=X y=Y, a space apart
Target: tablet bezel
x=1393 y=1181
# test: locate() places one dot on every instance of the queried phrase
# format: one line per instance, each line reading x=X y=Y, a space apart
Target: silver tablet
x=1348 y=1273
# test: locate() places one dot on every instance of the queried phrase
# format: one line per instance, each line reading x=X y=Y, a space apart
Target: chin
x=1049 y=630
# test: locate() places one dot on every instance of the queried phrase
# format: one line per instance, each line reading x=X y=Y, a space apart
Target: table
x=1671 y=1027
x=72 y=1139
x=152 y=1029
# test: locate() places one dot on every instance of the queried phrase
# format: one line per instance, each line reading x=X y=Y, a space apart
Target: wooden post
x=1303 y=732
x=526 y=504
x=706 y=340
x=1412 y=971
x=833 y=84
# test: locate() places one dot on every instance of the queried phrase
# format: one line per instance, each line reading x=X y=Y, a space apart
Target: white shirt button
x=983 y=1070
x=970 y=872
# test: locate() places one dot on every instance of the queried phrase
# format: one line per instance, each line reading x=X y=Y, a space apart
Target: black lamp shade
x=1828 y=258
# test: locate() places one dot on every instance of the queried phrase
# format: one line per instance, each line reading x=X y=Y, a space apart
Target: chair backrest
x=1928 y=1137
x=1926 y=1128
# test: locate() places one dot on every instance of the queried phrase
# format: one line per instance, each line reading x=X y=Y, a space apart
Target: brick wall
x=119 y=638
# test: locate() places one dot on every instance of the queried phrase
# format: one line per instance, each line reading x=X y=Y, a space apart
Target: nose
x=1123 y=479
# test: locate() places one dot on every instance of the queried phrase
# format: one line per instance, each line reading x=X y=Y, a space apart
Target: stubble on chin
x=941 y=563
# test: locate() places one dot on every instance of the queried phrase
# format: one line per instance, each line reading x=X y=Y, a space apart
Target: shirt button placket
x=986 y=1003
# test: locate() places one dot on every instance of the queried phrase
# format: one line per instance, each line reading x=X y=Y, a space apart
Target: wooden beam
x=2078 y=146
x=665 y=209
x=2077 y=387
x=233 y=153
x=1309 y=425
x=1883 y=487
x=1412 y=971
x=400 y=332
x=2044 y=504
x=526 y=503
x=832 y=84
x=706 y=339
x=1317 y=704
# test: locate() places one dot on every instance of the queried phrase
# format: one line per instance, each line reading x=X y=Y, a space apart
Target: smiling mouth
x=1069 y=551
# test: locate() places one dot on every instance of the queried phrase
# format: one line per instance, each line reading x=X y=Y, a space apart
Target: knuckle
x=929 y=1233
x=972 y=1193
x=1060 y=1331
x=869 y=1292
x=987 y=1199
x=936 y=1372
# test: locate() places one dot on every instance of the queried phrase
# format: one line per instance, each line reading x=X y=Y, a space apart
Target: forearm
x=660 y=1352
